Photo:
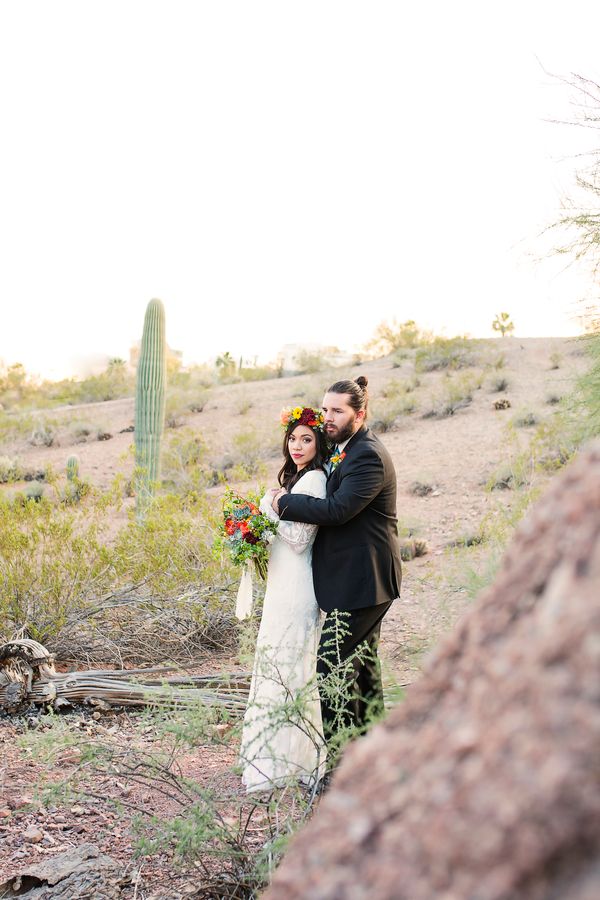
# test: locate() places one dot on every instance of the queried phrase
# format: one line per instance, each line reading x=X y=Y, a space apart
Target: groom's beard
x=339 y=435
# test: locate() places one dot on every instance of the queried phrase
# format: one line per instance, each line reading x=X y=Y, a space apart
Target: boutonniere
x=336 y=459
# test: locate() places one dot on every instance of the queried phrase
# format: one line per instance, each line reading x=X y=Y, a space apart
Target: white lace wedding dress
x=282 y=732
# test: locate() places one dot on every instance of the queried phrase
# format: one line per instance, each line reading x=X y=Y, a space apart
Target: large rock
x=485 y=783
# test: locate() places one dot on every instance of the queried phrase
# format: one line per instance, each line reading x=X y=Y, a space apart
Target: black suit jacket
x=356 y=554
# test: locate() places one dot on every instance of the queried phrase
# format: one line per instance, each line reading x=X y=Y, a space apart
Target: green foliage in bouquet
x=246 y=533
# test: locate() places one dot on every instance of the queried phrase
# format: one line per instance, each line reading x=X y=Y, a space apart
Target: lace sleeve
x=298 y=535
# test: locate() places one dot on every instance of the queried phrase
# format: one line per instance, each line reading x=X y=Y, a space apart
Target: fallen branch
x=27 y=675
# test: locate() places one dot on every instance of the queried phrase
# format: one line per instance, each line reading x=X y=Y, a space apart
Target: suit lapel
x=333 y=478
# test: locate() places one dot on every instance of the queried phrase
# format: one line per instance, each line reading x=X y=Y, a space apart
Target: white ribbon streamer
x=243 y=604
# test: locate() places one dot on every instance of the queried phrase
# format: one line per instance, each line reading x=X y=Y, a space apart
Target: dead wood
x=83 y=873
x=27 y=675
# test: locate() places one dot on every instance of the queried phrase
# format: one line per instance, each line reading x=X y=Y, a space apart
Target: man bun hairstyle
x=357 y=391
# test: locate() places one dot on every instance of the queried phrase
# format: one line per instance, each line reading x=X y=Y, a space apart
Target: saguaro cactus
x=72 y=467
x=150 y=403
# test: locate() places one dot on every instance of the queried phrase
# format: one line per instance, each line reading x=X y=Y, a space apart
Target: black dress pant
x=349 y=673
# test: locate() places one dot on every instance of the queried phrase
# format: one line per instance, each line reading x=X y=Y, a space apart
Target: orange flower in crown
x=302 y=415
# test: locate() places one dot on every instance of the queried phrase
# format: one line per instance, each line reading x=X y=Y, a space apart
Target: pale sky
x=281 y=172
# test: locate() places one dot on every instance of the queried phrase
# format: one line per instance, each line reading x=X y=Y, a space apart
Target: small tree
x=225 y=364
x=503 y=324
x=397 y=335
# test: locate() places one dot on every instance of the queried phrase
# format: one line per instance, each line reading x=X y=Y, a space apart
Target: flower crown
x=302 y=415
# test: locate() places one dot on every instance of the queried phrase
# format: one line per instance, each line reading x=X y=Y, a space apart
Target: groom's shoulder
x=372 y=444
x=368 y=441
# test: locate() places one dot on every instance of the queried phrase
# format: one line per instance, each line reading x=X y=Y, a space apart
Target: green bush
x=184 y=467
x=457 y=393
x=398 y=336
x=525 y=420
x=397 y=387
x=585 y=403
x=57 y=563
x=307 y=363
x=498 y=385
x=44 y=434
x=249 y=449
x=385 y=413
x=51 y=563
x=446 y=353
x=10 y=469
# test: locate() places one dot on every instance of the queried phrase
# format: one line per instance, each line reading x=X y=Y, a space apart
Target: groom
x=356 y=554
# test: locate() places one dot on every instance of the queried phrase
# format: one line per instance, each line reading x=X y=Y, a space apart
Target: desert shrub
x=446 y=353
x=556 y=440
x=34 y=491
x=176 y=408
x=75 y=490
x=44 y=434
x=399 y=357
x=585 y=403
x=498 y=384
x=469 y=539
x=10 y=469
x=398 y=387
x=553 y=399
x=395 y=336
x=421 y=488
x=198 y=401
x=307 y=363
x=57 y=567
x=514 y=474
x=172 y=549
x=385 y=414
x=410 y=548
x=194 y=378
x=249 y=449
x=259 y=373
x=81 y=431
x=184 y=466
x=555 y=360
x=51 y=563
x=525 y=420
x=244 y=404
x=457 y=393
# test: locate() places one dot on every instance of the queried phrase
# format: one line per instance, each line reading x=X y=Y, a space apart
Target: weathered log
x=27 y=675
x=82 y=873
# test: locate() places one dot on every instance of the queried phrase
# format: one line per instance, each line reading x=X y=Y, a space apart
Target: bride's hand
x=276 y=497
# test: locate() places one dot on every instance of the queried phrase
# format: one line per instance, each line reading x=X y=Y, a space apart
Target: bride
x=282 y=730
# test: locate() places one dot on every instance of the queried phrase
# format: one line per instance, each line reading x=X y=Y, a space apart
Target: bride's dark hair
x=288 y=475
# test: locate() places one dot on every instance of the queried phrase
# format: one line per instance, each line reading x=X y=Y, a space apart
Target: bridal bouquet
x=247 y=533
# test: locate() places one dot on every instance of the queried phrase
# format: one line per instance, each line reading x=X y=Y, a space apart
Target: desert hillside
x=448 y=441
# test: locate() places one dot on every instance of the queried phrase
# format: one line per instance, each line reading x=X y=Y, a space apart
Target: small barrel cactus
x=73 y=468
x=150 y=403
